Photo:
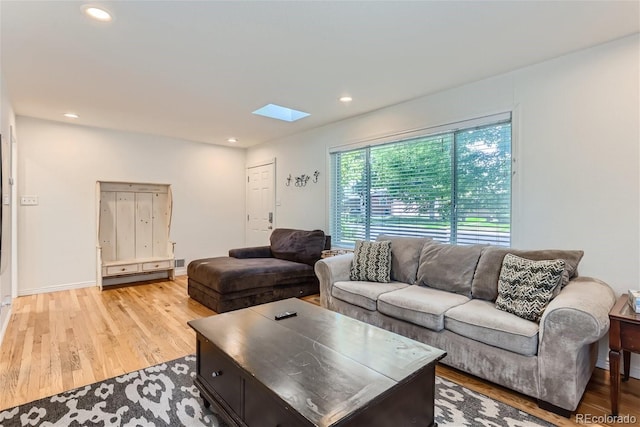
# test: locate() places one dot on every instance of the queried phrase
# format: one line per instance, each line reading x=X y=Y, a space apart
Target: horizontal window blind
x=483 y=185
x=350 y=171
x=453 y=186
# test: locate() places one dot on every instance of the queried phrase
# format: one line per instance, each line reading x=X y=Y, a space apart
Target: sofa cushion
x=448 y=267
x=251 y=252
x=482 y=321
x=297 y=245
x=419 y=305
x=363 y=294
x=526 y=287
x=405 y=256
x=485 y=281
x=371 y=261
x=227 y=274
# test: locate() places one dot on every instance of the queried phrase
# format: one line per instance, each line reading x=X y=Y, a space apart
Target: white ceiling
x=195 y=70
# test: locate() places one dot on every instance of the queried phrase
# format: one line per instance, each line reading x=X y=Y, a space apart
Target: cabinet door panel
x=221 y=375
x=125 y=226
x=107 y=230
x=161 y=218
x=262 y=409
x=144 y=225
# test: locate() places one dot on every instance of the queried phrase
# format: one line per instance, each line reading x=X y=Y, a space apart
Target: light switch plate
x=29 y=200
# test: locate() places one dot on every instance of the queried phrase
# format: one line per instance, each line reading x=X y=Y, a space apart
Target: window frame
x=424 y=133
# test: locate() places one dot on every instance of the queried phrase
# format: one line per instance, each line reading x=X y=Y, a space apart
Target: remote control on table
x=286 y=314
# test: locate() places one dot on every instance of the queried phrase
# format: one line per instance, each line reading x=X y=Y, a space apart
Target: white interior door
x=260 y=204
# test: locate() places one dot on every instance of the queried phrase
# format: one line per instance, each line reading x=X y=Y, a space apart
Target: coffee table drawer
x=220 y=374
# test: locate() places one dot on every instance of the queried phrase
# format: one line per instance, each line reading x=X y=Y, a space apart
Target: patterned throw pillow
x=526 y=287
x=372 y=261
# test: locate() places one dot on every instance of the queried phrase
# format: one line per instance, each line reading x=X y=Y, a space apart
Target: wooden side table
x=624 y=336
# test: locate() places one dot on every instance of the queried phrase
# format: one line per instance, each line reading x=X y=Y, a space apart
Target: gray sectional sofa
x=444 y=295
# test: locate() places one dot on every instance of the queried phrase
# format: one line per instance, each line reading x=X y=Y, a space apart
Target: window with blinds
x=453 y=186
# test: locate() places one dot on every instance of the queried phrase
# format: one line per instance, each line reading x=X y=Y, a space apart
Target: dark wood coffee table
x=319 y=368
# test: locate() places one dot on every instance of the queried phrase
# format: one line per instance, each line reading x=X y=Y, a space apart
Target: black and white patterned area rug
x=164 y=395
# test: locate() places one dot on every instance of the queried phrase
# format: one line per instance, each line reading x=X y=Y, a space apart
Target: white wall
x=7 y=126
x=60 y=163
x=297 y=207
x=576 y=144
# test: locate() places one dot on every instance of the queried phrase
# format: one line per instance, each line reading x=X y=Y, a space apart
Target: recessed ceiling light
x=97 y=13
x=232 y=140
x=346 y=99
x=71 y=115
x=281 y=113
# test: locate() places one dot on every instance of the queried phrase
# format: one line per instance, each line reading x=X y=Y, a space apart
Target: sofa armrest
x=252 y=252
x=572 y=322
x=330 y=270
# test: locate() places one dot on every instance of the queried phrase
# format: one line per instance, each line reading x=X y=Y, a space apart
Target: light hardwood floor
x=62 y=340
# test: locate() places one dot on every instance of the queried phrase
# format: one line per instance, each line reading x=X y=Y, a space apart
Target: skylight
x=281 y=113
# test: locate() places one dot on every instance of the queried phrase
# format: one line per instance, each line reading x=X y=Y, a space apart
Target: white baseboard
x=121 y=280
x=634 y=371
x=56 y=288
